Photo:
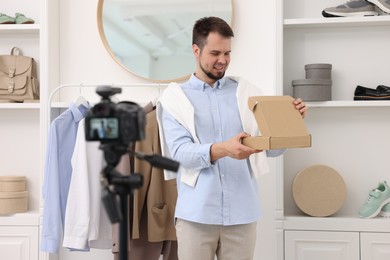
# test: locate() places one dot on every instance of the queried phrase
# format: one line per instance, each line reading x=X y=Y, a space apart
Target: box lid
x=318 y=66
x=8 y=178
x=12 y=183
x=299 y=82
x=277 y=116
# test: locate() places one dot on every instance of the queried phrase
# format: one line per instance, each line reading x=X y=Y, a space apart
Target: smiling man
x=202 y=123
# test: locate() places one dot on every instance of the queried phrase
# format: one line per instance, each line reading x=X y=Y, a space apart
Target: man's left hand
x=301 y=107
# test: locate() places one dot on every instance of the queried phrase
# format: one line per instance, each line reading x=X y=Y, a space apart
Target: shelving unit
x=23 y=128
x=349 y=136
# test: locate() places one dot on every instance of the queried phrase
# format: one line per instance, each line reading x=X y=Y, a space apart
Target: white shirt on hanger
x=86 y=222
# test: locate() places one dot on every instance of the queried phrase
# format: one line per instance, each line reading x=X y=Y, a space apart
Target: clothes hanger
x=155 y=100
x=81 y=100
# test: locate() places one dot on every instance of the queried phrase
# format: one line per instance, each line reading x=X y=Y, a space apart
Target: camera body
x=118 y=124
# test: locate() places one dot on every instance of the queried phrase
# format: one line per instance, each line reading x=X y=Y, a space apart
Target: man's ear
x=196 y=50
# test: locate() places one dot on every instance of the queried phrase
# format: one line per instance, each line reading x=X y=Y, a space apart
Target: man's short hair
x=205 y=25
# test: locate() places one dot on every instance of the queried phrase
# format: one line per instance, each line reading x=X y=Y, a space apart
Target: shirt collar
x=78 y=112
x=201 y=85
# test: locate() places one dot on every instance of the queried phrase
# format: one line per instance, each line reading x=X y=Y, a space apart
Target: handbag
x=18 y=77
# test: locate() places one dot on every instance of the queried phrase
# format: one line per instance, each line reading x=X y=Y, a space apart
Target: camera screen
x=105 y=128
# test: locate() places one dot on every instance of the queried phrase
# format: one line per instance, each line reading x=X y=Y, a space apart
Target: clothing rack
x=81 y=85
x=123 y=236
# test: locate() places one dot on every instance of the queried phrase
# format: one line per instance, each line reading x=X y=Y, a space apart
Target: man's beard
x=211 y=75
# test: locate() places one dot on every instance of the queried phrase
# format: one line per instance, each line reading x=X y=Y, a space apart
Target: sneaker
x=385 y=211
x=377 y=198
x=384 y=5
x=22 y=19
x=352 y=8
x=5 y=19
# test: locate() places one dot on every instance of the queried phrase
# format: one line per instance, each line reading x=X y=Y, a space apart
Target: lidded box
x=317 y=85
x=12 y=183
x=312 y=89
x=13 y=195
x=318 y=71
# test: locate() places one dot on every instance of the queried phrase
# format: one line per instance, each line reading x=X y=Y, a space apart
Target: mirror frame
x=113 y=56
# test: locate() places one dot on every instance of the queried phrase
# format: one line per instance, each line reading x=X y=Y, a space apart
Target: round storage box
x=318 y=71
x=312 y=89
x=319 y=191
x=12 y=183
x=13 y=202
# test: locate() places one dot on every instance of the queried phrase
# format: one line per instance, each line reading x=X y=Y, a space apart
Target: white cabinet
x=302 y=245
x=19 y=236
x=349 y=136
x=19 y=243
x=375 y=246
x=324 y=245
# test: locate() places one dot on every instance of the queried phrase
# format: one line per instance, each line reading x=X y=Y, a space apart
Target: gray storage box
x=312 y=89
x=318 y=71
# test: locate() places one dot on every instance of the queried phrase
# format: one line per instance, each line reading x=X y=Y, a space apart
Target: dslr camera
x=120 y=123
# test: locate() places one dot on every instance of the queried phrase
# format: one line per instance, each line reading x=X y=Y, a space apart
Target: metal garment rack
x=81 y=86
x=123 y=253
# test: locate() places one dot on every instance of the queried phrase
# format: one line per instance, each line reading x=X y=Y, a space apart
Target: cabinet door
x=375 y=246
x=19 y=243
x=309 y=245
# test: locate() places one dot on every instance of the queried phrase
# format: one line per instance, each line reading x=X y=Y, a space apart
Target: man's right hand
x=232 y=148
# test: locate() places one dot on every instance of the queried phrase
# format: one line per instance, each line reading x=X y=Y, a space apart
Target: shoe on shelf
x=385 y=211
x=377 y=198
x=5 y=19
x=22 y=19
x=380 y=93
x=383 y=88
x=351 y=8
x=384 y=5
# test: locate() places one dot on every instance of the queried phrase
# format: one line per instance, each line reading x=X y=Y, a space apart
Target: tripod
x=116 y=184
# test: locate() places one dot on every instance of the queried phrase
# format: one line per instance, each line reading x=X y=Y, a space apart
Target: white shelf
x=350 y=103
x=19 y=28
x=20 y=105
x=337 y=22
x=29 y=218
x=353 y=224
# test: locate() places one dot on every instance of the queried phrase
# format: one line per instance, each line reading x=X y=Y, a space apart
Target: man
x=202 y=123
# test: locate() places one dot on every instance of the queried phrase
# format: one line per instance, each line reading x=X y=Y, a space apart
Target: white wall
x=83 y=59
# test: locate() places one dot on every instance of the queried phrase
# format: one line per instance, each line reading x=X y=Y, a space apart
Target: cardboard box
x=280 y=123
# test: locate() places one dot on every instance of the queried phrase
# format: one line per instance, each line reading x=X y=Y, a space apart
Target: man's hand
x=232 y=148
x=301 y=107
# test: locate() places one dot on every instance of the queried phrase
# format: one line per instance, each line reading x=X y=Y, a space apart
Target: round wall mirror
x=152 y=38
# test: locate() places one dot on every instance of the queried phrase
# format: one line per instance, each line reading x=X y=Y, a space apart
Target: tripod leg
x=124 y=227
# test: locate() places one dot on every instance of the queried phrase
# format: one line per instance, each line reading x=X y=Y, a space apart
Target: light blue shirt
x=57 y=175
x=225 y=193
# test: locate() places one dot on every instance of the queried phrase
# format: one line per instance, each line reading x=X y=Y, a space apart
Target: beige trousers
x=199 y=241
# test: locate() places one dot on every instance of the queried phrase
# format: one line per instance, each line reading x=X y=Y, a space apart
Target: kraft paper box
x=13 y=195
x=280 y=123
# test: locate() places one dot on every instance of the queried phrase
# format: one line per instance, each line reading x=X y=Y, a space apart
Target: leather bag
x=18 y=77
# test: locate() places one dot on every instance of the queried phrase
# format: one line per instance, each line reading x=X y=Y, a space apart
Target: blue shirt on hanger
x=57 y=174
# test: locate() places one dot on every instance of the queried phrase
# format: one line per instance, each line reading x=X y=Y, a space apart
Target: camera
x=114 y=123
